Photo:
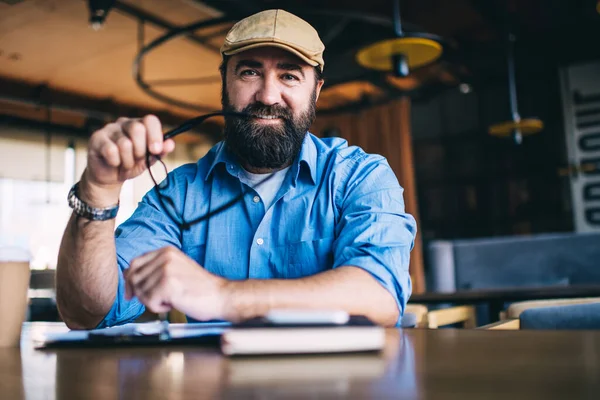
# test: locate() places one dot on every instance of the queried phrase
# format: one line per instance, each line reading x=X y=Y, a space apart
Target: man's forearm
x=345 y=288
x=86 y=276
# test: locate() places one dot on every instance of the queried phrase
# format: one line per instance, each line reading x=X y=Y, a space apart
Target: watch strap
x=86 y=211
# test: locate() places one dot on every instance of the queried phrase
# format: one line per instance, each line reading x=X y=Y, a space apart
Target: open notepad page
x=176 y=331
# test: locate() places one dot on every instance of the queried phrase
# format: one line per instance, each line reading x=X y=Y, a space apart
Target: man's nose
x=269 y=93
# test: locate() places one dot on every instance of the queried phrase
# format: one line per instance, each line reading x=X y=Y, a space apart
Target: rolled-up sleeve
x=374 y=232
x=146 y=230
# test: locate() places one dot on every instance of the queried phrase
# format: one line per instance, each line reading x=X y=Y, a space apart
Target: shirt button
x=256 y=199
x=259 y=241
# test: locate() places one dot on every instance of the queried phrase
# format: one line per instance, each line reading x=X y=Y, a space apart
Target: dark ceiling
x=549 y=32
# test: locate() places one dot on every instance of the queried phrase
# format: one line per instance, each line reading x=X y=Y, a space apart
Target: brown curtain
x=385 y=130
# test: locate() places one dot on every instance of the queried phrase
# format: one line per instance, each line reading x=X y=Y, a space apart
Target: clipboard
x=137 y=334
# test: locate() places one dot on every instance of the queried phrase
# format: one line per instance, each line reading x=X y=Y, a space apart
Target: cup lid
x=14 y=254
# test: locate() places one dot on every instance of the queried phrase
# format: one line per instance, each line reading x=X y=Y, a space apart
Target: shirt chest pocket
x=308 y=257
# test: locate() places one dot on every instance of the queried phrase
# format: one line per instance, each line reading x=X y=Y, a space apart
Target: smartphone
x=307 y=317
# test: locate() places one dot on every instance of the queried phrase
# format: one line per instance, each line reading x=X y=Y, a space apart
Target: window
x=34 y=182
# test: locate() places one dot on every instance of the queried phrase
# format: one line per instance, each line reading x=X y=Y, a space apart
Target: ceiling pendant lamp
x=403 y=53
x=516 y=127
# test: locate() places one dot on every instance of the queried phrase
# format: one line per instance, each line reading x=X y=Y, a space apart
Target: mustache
x=275 y=110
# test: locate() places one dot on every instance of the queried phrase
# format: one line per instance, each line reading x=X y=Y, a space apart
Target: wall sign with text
x=581 y=104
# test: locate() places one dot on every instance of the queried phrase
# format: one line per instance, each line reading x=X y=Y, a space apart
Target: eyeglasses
x=160 y=187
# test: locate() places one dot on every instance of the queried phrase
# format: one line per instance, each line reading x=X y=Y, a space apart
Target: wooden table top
x=446 y=363
x=508 y=294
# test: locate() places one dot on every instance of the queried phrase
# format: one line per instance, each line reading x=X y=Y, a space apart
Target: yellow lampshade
x=417 y=50
x=527 y=126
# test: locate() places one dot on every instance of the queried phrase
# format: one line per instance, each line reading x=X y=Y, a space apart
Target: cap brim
x=273 y=44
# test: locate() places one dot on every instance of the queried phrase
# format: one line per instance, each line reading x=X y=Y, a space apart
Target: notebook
x=261 y=336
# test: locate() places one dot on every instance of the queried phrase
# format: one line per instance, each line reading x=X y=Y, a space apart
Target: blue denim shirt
x=338 y=206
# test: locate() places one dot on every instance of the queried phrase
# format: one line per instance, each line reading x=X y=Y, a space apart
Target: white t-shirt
x=269 y=189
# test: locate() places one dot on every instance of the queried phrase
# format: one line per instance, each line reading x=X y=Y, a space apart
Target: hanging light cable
x=404 y=52
x=516 y=127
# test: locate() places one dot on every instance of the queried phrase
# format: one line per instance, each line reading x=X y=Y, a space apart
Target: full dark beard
x=266 y=146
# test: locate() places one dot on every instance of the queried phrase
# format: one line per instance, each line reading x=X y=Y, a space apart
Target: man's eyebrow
x=291 y=67
x=247 y=64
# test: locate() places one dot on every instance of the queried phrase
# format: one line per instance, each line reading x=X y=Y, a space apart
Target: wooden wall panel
x=386 y=130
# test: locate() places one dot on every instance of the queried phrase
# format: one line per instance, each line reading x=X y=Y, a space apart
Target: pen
x=164 y=326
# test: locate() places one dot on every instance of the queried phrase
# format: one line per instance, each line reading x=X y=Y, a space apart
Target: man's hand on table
x=166 y=278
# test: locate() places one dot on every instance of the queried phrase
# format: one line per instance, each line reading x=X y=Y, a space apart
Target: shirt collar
x=222 y=156
x=307 y=160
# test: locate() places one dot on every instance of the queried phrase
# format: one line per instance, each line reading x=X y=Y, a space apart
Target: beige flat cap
x=276 y=28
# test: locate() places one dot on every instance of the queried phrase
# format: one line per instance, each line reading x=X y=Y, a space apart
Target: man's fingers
x=150 y=283
x=129 y=125
x=153 y=292
x=135 y=131
x=126 y=153
x=142 y=260
x=146 y=135
x=147 y=277
x=110 y=153
x=154 y=134
x=168 y=146
x=141 y=273
x=137 y=134
x=118 y=151
x=103 y=145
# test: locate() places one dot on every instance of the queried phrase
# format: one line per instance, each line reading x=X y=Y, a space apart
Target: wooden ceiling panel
x=23 y=14
x=181 y=59
x=112 y=76
x=60 y=39
x=217 y=30
x=177 y=12
x=59 y=49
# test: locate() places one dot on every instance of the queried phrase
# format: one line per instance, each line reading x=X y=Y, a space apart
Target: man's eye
x=248 y=72
x=290 y=77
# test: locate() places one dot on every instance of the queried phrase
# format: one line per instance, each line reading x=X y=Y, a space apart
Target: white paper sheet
x=177 y=331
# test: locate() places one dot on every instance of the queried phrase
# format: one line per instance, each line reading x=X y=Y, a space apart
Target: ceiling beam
x=236 y=8
x=27 y=123
x=103 y=109
x=145 y=16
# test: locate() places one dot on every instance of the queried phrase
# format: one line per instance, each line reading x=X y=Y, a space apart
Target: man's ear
x=320 y=83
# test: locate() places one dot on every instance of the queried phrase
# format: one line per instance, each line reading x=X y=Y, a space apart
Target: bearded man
x=318 y=224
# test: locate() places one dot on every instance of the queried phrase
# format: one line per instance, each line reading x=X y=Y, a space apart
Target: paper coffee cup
x=14 y=282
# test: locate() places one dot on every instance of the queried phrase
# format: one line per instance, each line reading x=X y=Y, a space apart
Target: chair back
x=515 y=309
x=577 y=316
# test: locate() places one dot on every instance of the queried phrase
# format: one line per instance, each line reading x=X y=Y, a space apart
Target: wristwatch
x=86 y=211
